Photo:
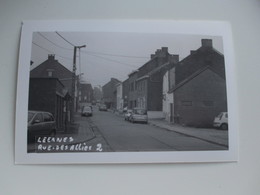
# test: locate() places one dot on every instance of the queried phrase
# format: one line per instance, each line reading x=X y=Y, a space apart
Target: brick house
x=125 y=92
x=145 y=84
x=50 y=95
x=86 y=94
x=52 y=68
x=110 y=93
x=132 y=95
x=198 y=86
x=48 y=70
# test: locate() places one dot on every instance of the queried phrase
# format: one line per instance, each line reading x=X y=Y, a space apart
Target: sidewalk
x=219 y=137
x=80 y=131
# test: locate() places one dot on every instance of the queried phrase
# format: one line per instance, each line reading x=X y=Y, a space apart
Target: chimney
x=165 y=49
x=174 y=58
x=51 y=57
x=157 y=52
x=206 y=42
x=152 y=56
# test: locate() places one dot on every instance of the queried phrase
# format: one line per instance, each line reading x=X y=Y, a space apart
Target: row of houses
x=189 y=92
x=50 y=90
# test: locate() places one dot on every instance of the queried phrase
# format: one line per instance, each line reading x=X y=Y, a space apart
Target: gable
x=57 y=69
x=201 y=58
x=201 y=83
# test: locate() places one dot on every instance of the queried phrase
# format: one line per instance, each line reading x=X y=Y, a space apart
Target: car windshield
x=30 y=115
x=140 y=111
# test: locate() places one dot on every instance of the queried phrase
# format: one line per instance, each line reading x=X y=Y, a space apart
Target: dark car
x=87 y=111
x=138 y=115
x=40 y=123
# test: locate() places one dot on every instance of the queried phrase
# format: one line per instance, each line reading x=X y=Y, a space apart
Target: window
x=47 y=117
x=186 y=103
x=38 y=118
x=132 y=86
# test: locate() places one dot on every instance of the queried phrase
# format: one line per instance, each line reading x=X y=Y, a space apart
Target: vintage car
x=221 y=121
x=139 y=115
x=86 y=111
x=40 y=123
x=103 y=107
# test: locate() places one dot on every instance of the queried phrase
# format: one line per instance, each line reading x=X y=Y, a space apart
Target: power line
x=97 y=53
x=42 y=47
x=65 y=39
x=51 y=52
x=52 y=42
x=108 y=59
x=115 y=55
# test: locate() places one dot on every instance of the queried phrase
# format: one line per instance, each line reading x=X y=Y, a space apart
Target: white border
x=216 y=28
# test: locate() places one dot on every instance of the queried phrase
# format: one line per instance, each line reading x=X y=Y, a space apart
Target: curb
x=190 y=134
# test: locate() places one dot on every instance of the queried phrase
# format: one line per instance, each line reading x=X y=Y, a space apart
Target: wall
x=207 y=86
x=236 y=178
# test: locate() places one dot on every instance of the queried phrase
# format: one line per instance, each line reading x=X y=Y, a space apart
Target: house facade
x=48 y=70
x=50 y=95
x=119 y=97
x=125 y=92
x=132 y=96
x=85 y=94
x=199 y=98
x=198 y=86
x=51 y=68
x=168 y=98
x=110 y=93
x=146 y=83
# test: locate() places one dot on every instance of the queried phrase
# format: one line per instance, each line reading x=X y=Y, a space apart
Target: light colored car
x=128 y=114
x=86 y=111
x=221 y=121
x=103 y=107
x=139 y=115
x=40 y=123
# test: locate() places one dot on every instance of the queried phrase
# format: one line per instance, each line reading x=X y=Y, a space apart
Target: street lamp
x=74 y=80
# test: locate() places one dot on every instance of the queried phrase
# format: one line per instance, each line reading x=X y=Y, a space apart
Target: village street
x=115 y=134
x=106 y=131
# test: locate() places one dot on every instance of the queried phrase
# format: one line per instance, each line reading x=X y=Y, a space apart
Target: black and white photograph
x=115 y=92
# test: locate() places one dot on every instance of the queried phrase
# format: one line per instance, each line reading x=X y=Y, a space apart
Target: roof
x=195 y=74
x=202 y=57
x=155 y=70
x=60 y=71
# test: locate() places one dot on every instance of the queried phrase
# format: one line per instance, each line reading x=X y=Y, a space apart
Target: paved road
x=120 y=135
x=107 y=132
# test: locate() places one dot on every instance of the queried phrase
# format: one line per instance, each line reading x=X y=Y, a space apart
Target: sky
x=110 y=54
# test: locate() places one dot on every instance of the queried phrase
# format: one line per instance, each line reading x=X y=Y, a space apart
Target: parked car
x=221 y=121
x=103 y=107
x=86 y=111
x=40 y=124
x=128 y=114
x=139 y=115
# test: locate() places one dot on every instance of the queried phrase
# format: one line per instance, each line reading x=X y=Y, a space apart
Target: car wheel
x=224 y=126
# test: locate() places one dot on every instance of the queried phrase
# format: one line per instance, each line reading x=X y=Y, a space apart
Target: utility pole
x=74 y=81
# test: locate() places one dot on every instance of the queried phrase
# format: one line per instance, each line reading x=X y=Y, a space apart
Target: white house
x=167 y=102
x=119 y=97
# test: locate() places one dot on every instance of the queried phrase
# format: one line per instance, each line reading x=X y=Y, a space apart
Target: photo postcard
x=125 y=92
